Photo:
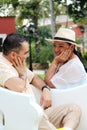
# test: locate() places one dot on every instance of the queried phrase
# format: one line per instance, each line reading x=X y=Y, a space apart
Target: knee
x=76 y=108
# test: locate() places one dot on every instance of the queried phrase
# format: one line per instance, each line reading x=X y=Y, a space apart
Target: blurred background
x=40 y=19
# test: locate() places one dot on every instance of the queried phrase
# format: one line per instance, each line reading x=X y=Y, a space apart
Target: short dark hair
x=13 y=41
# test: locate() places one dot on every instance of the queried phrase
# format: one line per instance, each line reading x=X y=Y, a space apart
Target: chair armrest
x=21 y=112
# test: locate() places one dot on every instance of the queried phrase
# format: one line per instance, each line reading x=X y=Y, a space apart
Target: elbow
x=19 y=88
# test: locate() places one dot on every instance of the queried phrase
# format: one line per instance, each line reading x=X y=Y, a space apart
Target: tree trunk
x=36 y=37
x=52 y=18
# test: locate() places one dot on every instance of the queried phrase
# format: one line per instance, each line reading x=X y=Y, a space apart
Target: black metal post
x=30 y=55
x=31 y=30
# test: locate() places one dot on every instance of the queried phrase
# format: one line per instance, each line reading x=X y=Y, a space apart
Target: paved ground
x=39 y=71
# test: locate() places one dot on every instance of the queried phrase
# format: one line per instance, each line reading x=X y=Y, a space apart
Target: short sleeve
x=5 y=75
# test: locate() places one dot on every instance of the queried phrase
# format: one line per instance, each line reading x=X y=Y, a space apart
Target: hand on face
x=18 y=64
x=64 y=56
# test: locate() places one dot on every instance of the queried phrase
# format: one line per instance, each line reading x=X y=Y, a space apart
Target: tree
x=52 y=18
x=29 y=10
x=57 y=7
x=78 y=11
x=8 y=7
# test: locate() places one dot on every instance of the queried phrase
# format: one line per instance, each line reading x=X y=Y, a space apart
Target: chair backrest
x=20 y=111
x=77 y=95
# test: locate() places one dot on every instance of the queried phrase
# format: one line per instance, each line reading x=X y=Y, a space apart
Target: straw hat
x=65 y=35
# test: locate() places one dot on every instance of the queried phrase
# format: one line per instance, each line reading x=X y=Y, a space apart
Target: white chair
x=19 y=111
x=77 y=95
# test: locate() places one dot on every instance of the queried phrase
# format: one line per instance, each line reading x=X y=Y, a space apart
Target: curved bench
x=19 y=111
x=77 y=95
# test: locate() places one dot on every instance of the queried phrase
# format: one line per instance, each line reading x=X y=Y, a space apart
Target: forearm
x=45 y=100
x=49 y=74
x=19 y=83
x=38 y=82
x=57 y=62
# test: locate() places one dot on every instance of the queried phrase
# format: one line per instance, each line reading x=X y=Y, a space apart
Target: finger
x=41 y=101
x=16 y=61
x=19 y=60
x=14 y=64
x=47 y=106
x=69 y=53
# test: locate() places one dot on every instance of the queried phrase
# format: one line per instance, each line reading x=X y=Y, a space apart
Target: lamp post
x=31 y=31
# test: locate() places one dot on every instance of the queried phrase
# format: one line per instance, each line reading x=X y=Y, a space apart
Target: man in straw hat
x=16 y=77
x=66 y=69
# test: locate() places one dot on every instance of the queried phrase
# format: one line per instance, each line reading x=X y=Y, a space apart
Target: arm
x=17 y=83
x=57 y=62
x=45 y=100
x=38 y=82
x=49 y=74
x=71 y=75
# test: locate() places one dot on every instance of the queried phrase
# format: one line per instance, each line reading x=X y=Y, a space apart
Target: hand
x=63 y=57
x=19 y=66
x=46 y=101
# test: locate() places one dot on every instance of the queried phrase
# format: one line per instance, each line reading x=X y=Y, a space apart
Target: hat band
x=63 y=39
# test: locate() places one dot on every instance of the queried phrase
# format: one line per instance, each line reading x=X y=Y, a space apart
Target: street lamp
x=31 y=31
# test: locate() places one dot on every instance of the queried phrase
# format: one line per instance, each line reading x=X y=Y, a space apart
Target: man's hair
x=12 y=42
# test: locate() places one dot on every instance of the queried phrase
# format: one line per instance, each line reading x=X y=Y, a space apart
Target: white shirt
x=7 y=71
x=71 y=74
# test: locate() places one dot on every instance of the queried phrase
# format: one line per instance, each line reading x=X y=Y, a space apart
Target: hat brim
x=53 y=40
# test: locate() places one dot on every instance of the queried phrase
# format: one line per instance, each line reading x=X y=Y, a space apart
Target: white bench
x=77 y=95
x=20 y=111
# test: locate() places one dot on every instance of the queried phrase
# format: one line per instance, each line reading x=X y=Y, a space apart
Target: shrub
x=45 y=54
x=84 y=59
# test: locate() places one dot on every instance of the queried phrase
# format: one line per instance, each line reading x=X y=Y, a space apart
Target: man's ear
x=12 y=55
